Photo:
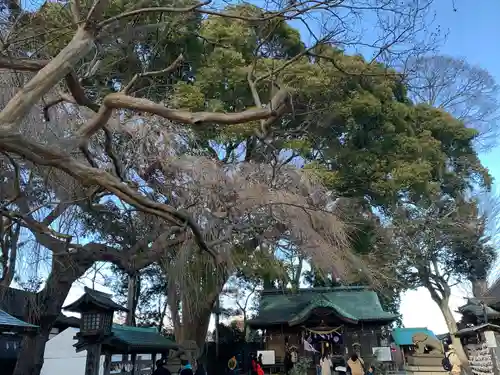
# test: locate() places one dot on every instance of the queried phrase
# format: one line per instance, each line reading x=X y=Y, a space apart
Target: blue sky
x=471 y=29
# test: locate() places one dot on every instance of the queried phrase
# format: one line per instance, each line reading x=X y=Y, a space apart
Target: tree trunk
x=452 y=328
x=30 y=360
x=297 y=274
x=132 y=297
x=195 y=330
x=45 y=310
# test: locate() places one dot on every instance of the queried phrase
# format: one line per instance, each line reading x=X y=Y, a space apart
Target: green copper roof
x=141 y=337
x=12 y=324
x=352 y=304
x=128 y=339
x=404 y=336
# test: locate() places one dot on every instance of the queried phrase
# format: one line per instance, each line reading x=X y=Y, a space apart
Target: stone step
x=425 y=370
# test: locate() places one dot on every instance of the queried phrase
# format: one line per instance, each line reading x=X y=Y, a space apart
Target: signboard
x=382 y=353
x=490 y=338
x=268 y=357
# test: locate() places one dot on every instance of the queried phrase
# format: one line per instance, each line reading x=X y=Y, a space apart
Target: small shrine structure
x=337 y=321
x=482 y=347
x=403 y=340
x=98 y=335
x=11 y=332
x=12 y=325
x=476 y=312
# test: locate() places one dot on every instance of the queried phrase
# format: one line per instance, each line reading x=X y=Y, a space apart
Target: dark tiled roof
x=67 y=321
x=493 y=294
x=19 y=303
x=481 y=328
x=16 y=301
x=351 y=303
x=8 y=323
x=94 y=297
x=473 y=307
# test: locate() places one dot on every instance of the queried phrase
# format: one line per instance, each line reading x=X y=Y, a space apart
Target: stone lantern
x=96 y=309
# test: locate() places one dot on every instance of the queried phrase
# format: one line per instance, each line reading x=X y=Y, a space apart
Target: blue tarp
x=403 y=336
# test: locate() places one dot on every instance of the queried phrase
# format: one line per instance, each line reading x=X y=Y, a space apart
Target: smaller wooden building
x=11 y=333
x=403 y=340
x=337 y=321
x=475 y=312
x=481 y=345
x=98 y=336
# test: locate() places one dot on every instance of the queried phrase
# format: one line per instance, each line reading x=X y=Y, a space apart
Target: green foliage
x=443 y=244
x=302 y=366
x=149 y=42
x=229 y=334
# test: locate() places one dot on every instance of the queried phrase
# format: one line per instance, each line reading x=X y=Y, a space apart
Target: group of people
x=186 y=368
x=355 y=366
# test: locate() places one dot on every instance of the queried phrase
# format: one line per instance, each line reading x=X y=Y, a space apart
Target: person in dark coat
x=186 y=368
x=161 y=368
x=200 y=370
x=288 y=362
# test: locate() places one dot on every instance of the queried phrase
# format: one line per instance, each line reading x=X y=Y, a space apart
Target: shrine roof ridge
x=351 y=304
x=315 y=290
x=94 y=297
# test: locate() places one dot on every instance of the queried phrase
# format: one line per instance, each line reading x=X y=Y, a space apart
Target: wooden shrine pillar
x=134 y=363
x=153 y=360
x=107 y=364
x=93 y=359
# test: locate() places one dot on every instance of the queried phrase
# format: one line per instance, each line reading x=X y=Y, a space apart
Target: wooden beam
x=134 y=359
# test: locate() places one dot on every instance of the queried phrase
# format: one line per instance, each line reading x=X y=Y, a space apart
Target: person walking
x=256 y=367
x=161 y=368
x=200 y=370
x=186 y=368
x=356 y=365
x=326 y=365
x=456 y=365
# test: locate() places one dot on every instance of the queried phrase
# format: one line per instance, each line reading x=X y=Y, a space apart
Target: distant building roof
x=8 y=323
x=403 y=336
x=470 y=331
x=67 y=321
x=474 y=307
x=493 y=294
x=352 y=304
x=21 y=304
x=127 y=339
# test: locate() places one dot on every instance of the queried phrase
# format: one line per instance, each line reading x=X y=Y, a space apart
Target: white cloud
x=419 y=310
